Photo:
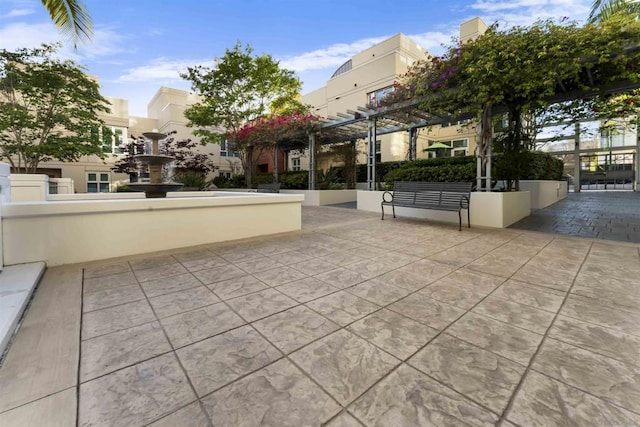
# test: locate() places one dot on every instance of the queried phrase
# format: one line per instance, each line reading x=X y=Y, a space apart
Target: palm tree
x=72 y=18
x=601 y=10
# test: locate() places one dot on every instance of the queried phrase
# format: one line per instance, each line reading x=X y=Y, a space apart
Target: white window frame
x=117 y=147
x=98 y=181
x=464 y=149
x=295 y=164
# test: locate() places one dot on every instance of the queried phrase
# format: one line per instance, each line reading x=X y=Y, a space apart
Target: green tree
x=601 y=10
x=48 y=109
x=71 y=17
x=239 y=89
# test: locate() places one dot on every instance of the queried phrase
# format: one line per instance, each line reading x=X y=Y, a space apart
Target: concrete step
x=17 y=283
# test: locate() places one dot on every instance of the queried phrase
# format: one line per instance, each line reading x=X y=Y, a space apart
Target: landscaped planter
x=324 y=197
x=544 y=193
x=495 y=210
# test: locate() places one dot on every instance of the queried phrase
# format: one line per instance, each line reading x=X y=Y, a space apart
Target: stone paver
x=352 y=321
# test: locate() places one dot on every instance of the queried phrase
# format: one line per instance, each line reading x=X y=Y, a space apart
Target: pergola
x=367 y=123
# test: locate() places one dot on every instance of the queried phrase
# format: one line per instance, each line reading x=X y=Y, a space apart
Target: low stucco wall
x=29 y=187
x=324 y=197
x=545 y=193
x=495 y=210
x=78 y=231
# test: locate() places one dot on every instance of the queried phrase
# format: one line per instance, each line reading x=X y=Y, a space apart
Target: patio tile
x=513 y=343
x=190 y=255
x=108 y=282
x=109 y=297
x=409 y=398
x=605 y=341
x=241 y=255
x=404 y=279
x=499 y=264
x=289 y=257
x=167 y=285
x=593 y=311
x=549 y=277
x=522 y=316
x=306 y=289
x=257 y=265
x=181 y=301
x=317 y=251
x=343 y=364
x=151 y=262
x=378 y=291
x=628 y=301
x=92 y=271
x=261 y=304
x=462 y=288
x=549 y=402
x=273 y=250
x=393 y=333
x=294 y=328
x=237 y=287
x=344 y=420
x=136 y=395
x=205 y=263
x=433 y=313
x=108 y=353
x=598 y=375
x=57 y=409
x=342 y=307
x=428 y=270
x=395 y=259
x=116 y=318
x=218 y=274
x=277 y=395
x=199 y=324
x=369 y=268
x=626 y=286
x=476 y=373
x=217 y=361
x=342 y=259
x=191 y=415
x=313 y=266
x=159 y=272
x=341 y=278
x=531 y=295
x=280 y=276
x=367 y=251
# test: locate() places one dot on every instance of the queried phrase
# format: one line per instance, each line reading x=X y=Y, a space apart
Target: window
x=225 y=150
x=295 y=164
x=378 y=152
x=98 y=182
x=460 y=147
x=374 y=98
x=113 y=138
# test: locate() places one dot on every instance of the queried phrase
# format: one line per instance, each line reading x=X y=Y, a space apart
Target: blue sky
x=140 y=45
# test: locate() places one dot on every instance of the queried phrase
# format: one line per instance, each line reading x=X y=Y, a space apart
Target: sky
x=140 y=45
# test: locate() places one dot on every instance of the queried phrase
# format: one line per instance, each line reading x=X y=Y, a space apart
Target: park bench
x=268 y=188
x=441 y=196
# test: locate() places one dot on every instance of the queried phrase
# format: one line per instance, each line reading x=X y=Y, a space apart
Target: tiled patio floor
x=357 y=320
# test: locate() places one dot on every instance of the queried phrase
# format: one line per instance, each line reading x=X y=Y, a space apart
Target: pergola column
x=371 y=154
x=413 y=143
x=576 y=158
x=312 y=161
x=275 y=163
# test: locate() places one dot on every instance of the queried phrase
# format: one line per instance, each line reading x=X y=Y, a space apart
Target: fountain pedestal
x=155 y=188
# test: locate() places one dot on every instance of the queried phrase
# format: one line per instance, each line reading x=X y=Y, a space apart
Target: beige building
x=165 y=113
x=366 y=78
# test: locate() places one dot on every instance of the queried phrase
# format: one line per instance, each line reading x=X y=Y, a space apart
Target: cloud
x=433 y=41
x=526 y=12
x=159 y=69
x=105 y=41
x=18 y=12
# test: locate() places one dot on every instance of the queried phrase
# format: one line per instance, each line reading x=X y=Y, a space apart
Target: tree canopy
x=240 y=89
x=48 y=109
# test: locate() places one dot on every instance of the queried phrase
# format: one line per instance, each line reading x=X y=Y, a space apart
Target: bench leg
x=382 y=207
x=468 y=219
x=393 y=208
x=460 y=220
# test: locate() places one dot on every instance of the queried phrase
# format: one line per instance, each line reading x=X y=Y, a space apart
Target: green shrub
x=192 y=179
x=236 y=181
x=442 y=173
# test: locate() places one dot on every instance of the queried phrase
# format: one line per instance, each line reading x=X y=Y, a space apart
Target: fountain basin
x=154 y=159
x=153 y=191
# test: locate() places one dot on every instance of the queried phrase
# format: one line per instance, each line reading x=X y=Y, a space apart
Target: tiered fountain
x=156 y=188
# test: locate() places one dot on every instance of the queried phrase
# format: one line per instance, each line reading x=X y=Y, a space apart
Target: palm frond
x=72 y=18
x=601 y=10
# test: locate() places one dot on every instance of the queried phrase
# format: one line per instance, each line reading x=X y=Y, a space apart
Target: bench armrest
x=464 y=200
x=384 y=194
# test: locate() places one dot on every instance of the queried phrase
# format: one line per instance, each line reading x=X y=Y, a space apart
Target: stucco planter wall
x=495 y=210
x=545 y=193
x=324 y=197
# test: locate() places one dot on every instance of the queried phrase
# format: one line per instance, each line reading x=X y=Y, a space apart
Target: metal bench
x=441 y=196
x=268 y=188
